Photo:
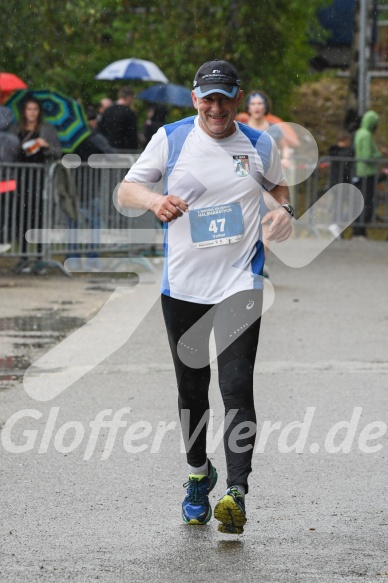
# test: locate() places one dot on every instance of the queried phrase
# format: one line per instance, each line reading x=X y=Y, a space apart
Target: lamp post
x=362 y=58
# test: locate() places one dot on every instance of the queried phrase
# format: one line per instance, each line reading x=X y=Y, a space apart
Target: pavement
x=83 y=504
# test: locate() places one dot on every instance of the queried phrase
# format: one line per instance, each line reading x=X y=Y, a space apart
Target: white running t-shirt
x=214 y=250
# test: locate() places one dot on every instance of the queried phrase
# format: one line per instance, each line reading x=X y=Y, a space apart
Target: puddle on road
x=37 y=332
x=44 y=322
x=101 y=288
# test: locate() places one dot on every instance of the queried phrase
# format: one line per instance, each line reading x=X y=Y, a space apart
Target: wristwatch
x=289 y=209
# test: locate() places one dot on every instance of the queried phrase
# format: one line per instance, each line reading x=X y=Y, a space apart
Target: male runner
x=215 y=171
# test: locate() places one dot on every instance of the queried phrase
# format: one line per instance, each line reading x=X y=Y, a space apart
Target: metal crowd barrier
x=329 y=172
x=23 y=206
x=85 y=217
x=76 y=214
x=77 y=209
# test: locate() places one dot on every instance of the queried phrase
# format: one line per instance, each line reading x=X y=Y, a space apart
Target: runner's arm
x=136 y=190
x=139 y=196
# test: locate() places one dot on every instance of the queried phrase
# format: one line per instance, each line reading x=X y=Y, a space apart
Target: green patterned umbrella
x=64 y=113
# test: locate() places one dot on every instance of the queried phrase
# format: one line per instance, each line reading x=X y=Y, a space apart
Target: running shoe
x=230 y=511
x=196 y=508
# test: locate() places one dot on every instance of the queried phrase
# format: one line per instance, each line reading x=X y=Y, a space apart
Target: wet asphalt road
x=313 y=516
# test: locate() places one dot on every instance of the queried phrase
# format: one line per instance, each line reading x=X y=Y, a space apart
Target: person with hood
x=365 y=151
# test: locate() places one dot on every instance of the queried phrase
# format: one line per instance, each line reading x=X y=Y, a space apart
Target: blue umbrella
x=169 y=94
x=132 y=69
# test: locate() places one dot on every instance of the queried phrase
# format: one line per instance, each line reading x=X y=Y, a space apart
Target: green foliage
x=65 y=44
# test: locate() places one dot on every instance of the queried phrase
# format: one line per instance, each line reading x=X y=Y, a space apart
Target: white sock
x=201 y=471
x=240 y=488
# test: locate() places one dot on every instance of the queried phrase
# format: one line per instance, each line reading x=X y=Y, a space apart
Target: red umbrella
x=9 y=83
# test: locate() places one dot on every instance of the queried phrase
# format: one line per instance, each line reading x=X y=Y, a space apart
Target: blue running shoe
x=230 y=511
x=196 y=508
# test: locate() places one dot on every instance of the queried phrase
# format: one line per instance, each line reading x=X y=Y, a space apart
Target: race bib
x=216 y=225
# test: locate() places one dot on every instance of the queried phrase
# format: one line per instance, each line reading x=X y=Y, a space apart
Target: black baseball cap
x=216 y=77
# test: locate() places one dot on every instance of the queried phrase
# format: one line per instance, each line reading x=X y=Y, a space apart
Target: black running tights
x=236 y=323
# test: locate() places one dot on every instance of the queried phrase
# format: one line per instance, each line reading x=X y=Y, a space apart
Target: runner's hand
x=279 y=225
x=170 y=207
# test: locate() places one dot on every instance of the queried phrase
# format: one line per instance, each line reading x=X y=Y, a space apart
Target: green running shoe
x=230 y=511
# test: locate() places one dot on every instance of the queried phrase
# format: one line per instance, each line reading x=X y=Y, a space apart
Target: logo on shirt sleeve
x=241 y=166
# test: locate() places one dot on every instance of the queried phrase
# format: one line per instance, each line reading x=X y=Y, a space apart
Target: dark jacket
x=9 y=143
x=151 y=126
x=119 y=125
x=96 y=143
x=65 y=191
x=48 y=133
x=340 y=170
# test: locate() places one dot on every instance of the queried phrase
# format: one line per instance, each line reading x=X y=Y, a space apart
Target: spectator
x=119 y=122
x=39 y=144
x=33 y=128
x=9 y=143
x=340 y=170
x=156 y=118
x=9 y=152
x=90 y=197
x=258 y=105
x=105 y=102
x=96 y=143
x=365 y=151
